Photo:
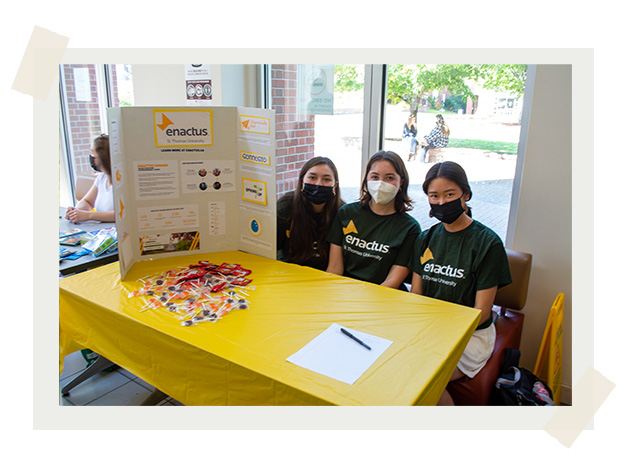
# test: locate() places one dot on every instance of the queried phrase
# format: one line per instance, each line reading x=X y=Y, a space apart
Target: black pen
x=345 y=332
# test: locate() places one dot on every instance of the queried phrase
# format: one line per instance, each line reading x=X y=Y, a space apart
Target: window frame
x=67 y=170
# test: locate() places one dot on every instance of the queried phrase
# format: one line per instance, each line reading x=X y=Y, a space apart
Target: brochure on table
x=192 y=180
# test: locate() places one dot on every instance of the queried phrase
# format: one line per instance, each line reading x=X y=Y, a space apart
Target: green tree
x=348 y=78
x=411 y=83
x=511 y=78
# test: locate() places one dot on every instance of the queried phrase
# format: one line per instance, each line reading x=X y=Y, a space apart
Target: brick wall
x=471 y=105
x=84 y=116
x=295 y=134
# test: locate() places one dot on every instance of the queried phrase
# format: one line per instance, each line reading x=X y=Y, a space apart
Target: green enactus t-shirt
x=454 y=266
x=373 y=243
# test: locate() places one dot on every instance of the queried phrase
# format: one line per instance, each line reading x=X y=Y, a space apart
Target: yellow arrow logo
x=165 y=122
x=121 y=207
x=428 y=255
x=350 y=228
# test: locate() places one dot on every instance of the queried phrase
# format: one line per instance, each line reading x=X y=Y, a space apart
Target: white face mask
x=382 y=192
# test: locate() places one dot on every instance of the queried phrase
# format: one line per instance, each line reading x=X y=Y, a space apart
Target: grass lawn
x=493 y=146
x=442 y=111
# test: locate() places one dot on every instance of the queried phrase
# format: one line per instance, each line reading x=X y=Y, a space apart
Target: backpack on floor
x=518 y=386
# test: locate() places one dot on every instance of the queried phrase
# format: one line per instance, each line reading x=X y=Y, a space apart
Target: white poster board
x=192 y=180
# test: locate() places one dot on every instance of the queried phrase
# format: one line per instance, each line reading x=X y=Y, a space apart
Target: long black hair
x=444 y=127
x=308 y=228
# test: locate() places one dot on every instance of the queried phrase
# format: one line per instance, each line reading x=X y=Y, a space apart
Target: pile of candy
x=203 y=292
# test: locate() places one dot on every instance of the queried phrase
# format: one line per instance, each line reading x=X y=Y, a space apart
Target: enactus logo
x=350 y=236
x=438 y=269
x=183 y=128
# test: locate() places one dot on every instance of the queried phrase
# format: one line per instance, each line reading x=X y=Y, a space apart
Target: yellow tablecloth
x=241 y=359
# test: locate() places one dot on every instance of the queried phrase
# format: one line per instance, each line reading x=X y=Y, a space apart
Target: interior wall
x=164 y=85
x=543 y=224
x=159 y=85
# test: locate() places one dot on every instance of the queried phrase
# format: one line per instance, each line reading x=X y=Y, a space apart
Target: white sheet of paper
x=338 y=356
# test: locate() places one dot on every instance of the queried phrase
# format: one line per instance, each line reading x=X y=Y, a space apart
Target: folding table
x=241 y=358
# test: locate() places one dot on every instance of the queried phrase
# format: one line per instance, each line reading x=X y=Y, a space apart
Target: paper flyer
x=198 y=85
x=335 y=355
x=193 y=180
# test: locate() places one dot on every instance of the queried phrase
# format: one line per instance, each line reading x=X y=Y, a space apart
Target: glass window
x=319 y=112
x=86 y=91
x=84 y=112
x=484 y=128
x=122 y=85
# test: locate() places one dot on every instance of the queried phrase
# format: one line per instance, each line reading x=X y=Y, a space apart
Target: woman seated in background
x=409 y=133
x=304 y=216
x=97 y=204
x=437 y=138
x=461 y=261
x=372 y=239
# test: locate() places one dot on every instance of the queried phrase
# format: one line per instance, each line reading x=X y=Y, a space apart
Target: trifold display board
x=192 y=180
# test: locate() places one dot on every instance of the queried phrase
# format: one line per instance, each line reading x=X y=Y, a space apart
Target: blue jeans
x=423 y=152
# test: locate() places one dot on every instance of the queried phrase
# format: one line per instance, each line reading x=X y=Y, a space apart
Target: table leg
x=100 y=364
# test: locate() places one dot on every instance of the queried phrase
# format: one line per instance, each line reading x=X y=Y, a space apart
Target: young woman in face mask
x=98 y=202
x=305 y=215
x=372 y=239
x=459 y=260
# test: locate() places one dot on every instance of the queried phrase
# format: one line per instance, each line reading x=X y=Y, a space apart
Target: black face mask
x=92 y=162
x=316 y=194
x=448 y=212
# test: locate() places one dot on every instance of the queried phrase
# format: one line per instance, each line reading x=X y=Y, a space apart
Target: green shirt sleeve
x=493 y=268
x=405 y=253
x=419 y=244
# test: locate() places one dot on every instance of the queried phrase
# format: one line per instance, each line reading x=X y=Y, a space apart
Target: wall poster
x=198 y=85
